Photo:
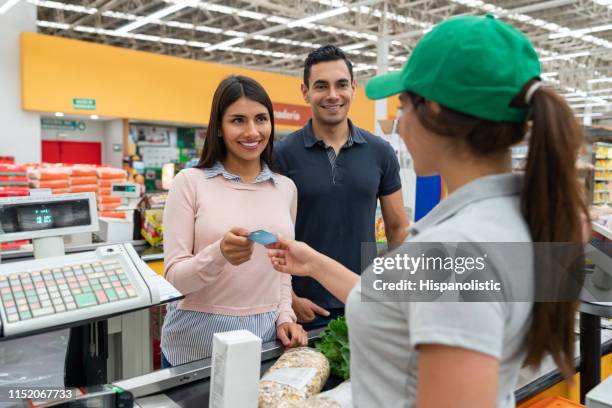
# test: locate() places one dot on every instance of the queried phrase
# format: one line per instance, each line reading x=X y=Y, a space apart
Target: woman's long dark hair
x=229 y=91
x=551 y=201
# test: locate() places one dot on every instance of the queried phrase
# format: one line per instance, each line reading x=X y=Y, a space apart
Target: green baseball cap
x=474 y=65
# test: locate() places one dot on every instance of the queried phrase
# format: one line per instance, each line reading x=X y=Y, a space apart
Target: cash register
x=55 y=289
x=79 y=290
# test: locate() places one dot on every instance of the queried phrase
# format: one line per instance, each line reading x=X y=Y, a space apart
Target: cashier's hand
x=292 y=335
x=235 y=247
x=292 y=257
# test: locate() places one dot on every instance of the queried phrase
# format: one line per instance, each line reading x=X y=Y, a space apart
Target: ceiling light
x=59 y=114
x=582 y=115
x=156 y=16
x=94 y=117
x=581 y=32
x=599 y=80
x=531 y=21
x=321 y=16
x=353 y=46
x=225 y=44
x=52 y=24
x=62 y=6
x=7 y=5
x=566 y=56
x=589 y=105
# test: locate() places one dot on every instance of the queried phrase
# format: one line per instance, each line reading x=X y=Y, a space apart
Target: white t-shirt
x=384 y=335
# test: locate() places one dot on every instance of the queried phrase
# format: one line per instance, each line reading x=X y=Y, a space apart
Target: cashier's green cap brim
x=474 y=65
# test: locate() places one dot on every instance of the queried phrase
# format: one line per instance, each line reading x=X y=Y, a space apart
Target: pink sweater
x=199 y=211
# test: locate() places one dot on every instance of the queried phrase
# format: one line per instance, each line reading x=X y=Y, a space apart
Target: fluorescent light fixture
x=526 y=19
x=94 y=117
x=550 y=74
x=63 y=6
x=321 y=16
x=225 y=44
x=589 y=105
x=581 y=32
x=59 y=114
x=53 y=24
x=7 y=5
x=156 y=16
x=596 y=114
x=566 y=56
x=599 y=80
x=354 y=47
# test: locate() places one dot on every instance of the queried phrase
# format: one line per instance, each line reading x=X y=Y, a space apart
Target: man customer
x=340 y=171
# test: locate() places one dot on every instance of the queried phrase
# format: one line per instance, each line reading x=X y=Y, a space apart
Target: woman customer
x=228 y=281
x=467 y=92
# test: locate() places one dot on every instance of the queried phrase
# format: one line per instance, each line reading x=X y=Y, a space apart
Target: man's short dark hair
x=325 y=54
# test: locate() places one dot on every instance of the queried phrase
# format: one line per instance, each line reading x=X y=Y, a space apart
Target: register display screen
x=125 y=188
x=41 y=216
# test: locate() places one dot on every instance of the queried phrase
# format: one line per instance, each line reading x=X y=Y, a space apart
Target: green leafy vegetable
x=334 y=344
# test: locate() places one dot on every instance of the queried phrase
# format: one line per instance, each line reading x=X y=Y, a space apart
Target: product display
x=298 y=374
x=603 y=174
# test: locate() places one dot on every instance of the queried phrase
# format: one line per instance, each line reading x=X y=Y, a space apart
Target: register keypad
x=50 y=291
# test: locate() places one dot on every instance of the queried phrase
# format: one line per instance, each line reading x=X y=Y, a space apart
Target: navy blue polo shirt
x=336 y=198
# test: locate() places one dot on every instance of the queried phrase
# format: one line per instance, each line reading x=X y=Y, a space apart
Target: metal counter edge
x=162 y=380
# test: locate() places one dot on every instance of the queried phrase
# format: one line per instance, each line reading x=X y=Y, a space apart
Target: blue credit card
x=262 y=237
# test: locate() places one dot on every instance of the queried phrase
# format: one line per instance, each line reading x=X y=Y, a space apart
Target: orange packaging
x=108 y=207
x=77 y=181
x=109 y=182
x=50 y=173
x=79 y=170
x=60 y=190
x=12 y=170
x=85 y=188
x=61 y=183
x=106 y=191
x=111 y=173
x=112 y=214
x=107 y=199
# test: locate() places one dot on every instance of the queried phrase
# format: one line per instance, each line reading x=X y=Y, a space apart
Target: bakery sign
x=288 y=114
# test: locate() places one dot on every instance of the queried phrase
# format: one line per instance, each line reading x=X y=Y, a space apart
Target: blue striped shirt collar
x=218 y=169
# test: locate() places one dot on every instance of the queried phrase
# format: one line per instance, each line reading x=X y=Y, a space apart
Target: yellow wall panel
x=140 y=85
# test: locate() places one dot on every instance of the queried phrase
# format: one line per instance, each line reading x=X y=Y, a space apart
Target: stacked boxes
x=57 y=178
x=79 y=178
x=108 y=204
x=13 y=180
x=83 y=179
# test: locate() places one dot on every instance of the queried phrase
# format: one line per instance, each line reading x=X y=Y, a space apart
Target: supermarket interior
x=191 y=191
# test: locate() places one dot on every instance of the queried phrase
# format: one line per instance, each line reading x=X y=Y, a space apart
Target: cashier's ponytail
x=551 y=202
x=555 y=210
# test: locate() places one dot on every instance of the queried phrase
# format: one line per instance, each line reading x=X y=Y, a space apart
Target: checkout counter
x=188 y=385
x=129 y=365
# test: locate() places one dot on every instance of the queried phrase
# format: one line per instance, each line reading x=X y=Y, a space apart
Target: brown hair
x=229 y=91
x=551 y=201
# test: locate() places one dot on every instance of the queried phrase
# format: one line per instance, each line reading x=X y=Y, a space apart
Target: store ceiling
x=573 y=37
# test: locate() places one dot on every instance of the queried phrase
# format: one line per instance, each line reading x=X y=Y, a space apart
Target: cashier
x=467 y=92
x=211 y=209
